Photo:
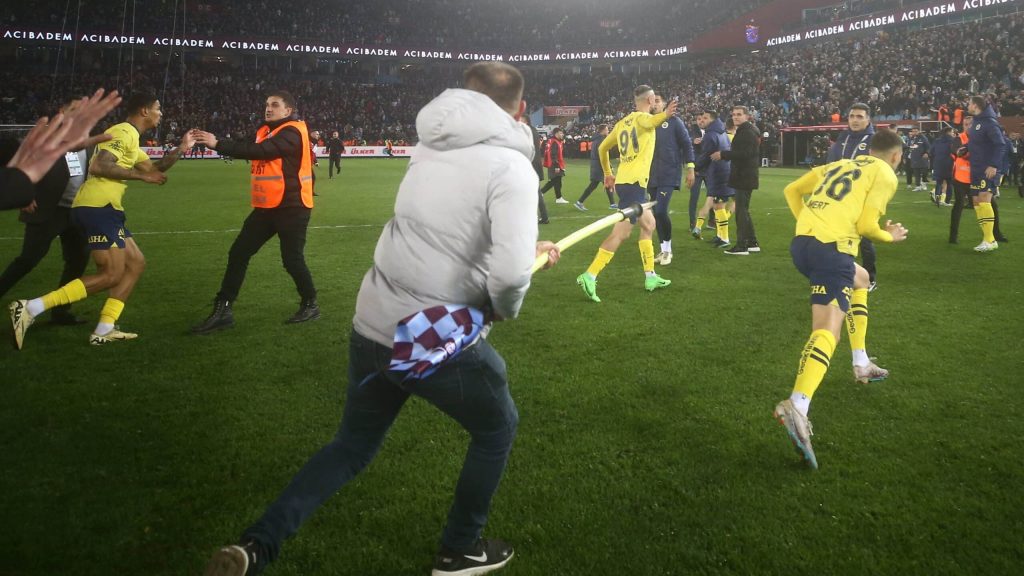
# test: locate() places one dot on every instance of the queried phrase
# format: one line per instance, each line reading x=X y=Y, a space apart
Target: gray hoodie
x=465 y=224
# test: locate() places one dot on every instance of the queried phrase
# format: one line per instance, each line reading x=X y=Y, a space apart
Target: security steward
x=282 y=200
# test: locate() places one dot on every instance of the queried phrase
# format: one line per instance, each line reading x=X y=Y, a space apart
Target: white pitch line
x=347 y=226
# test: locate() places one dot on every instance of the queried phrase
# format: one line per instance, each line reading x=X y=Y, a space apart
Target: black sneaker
x=543 y=221
x=753 y=248
x=737 y=250
x=237 y=560
x=719 y=243
x=486 y=556
x=220 y=319
x=308 y=310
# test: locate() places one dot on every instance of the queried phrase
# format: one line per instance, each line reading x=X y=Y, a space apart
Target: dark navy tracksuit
x=672 y=149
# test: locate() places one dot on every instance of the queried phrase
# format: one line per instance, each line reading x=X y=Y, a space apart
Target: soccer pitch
x=646 y=444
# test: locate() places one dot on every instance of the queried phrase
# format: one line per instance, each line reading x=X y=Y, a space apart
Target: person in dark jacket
x=282 y=199
x=744 y=175
x=47 y=217
x=853 y=142
x=538 y=166
x=335 y=148
x=919 y=159
x=672 y=149
x=987 y=149
x=596 y=173
x=716 y=172
x=941 y=153
x=47 y=142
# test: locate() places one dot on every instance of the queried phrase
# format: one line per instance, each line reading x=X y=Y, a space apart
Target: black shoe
x=238 y=560
x=543 y=221
x=737 y=250
x=220 y=319
x=308 y=310
x=753 y=247
x=65 y=318
x=486 y=556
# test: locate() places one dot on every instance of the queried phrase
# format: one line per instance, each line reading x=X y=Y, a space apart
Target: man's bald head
x=500 y=81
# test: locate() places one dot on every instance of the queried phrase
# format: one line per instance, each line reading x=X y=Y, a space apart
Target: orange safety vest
x=958 y=116
x=267 y=176
x=835 y=118
x=944 y=113
x=962 y=166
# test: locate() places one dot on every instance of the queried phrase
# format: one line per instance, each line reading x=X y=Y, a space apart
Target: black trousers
x=333 y=164
x=961 y=198
x=36 y=244
x=919 y=175
x=556 y=183
x=542 y=209
x=745 y=234
x=868 y=257
x=289 y=224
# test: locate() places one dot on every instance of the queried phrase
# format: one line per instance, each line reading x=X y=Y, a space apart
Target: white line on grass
x=348 y=226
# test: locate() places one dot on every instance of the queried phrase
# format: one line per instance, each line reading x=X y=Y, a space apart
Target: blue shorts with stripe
x=103 y=227
x=630 y=194
x=829 y=270
x=985 y=185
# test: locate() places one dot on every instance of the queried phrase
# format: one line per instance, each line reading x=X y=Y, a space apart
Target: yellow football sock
x=814 y=362
x=600 y=261
x=111 y=311
x=722 y=223
x=700 y=223
x=647 y=255
x=71 y=292
x=987 y=220
x=857 y=319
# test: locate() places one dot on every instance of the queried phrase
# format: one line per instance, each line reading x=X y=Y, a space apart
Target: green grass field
x=646 y=444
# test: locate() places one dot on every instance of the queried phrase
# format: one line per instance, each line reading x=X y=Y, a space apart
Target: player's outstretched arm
x=105 y=166
x=170 y=157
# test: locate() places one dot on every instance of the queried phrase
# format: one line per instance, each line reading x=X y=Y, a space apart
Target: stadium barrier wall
x=321 y=152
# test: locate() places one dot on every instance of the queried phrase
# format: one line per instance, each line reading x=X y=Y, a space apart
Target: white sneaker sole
x=473 y=571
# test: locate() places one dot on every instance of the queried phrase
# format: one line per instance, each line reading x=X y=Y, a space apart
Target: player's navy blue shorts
x=722 y=193
x=829 y=270
x=103 y=227
x=630 y=194
x=985 y=185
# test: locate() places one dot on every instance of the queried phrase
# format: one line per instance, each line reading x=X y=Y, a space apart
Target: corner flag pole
x=591 y=229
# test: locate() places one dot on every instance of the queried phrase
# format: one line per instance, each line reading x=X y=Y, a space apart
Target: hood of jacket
x=460 y=118
x=716 y=126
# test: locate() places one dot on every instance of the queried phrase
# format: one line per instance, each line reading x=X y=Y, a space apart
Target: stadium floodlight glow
x=589 y=230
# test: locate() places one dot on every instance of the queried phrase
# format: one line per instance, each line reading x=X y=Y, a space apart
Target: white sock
x=36 y=306
x=103 y=328
x=666 y=246
x=650 y=274
x=801 y=402
x=860 y=358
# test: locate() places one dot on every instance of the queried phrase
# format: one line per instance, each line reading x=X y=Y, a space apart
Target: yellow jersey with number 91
x=836 y=196
x=634 y=135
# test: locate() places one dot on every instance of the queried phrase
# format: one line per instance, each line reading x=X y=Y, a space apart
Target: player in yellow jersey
x=634 y=136
x=835 y=205
x=99 y=212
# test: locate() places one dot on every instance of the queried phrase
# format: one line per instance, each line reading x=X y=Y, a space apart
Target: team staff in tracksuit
x=672 y=148
x=596 y=173
x=853 y=142
x=919 y=158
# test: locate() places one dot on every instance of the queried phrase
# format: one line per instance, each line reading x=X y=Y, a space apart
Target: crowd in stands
x=901 y=74
x=451 y=24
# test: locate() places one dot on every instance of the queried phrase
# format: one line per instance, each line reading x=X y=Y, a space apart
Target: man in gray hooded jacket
x=463 y=238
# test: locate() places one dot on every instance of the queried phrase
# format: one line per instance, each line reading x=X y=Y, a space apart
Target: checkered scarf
x=429 y=338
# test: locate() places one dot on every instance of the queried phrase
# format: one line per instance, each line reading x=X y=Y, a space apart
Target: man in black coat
x=743 y=178
x=46 y=217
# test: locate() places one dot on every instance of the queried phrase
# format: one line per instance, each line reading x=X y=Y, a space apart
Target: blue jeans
x=472 y=389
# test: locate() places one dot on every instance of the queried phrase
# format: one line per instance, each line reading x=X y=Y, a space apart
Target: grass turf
x=646 y=444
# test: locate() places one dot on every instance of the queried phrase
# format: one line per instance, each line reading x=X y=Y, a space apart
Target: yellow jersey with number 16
x=98 y=191
x=838 y=202
x=634 y=135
